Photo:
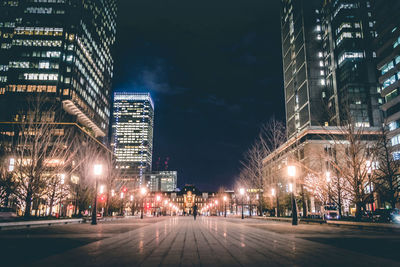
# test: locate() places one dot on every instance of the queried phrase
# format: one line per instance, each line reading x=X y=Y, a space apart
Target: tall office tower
x=302 y=64
x=351 y=82
x=388 y=55
x=60 y=49
x=133 y=120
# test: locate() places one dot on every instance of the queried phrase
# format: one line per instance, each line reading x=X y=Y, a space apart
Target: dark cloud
x=214 y=68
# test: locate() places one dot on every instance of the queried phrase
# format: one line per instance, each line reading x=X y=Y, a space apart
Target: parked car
x=7 y=213
x=386 y=215
x=366 y=216
x=329 y=212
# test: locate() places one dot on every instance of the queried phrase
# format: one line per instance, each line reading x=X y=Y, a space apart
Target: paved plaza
x=209 y=241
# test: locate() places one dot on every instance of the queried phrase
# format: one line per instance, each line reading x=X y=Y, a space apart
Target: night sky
x=213 y=68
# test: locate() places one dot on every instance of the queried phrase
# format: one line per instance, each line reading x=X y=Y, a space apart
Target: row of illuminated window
x=44 y=10
x=350 y=55
x=391 y=80
x=31 y=88
x=395 y=140
x=345 y=6
x=3 y=79
x=40 y=76
x=347 y=25
x=397 y=42
x=3 y=67
x=48 y=1
x=53 y=43
x=45 y=54
x=38 y=31
x=390 y=65
x=7 y=24
x=346 y=35
x=392 y=95
x=394 y=125
x=32 y=65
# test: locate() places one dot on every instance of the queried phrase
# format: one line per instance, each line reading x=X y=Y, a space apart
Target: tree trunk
x=303 y=198
x=278 y=214
x=358 y=211
x=28 y=204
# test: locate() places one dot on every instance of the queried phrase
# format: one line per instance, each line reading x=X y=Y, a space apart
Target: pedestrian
x=195 y=211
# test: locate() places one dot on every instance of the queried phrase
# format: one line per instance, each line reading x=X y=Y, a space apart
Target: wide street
x=209 y=241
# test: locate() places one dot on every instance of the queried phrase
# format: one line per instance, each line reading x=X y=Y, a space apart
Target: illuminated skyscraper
x=133 y=121
x=60 y=49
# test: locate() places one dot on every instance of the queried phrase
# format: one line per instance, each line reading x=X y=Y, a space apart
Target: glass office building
x=61 y=49
x=133 y=121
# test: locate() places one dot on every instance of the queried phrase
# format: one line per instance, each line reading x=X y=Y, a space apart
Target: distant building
x=132 y=132
x=162 y=181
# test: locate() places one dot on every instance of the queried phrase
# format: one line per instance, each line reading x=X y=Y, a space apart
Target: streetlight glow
x=291 y=171
x=143 y=191
x=12 y=165
x=131 y=197
x=291 y=187
x=98 y=169
x=241 y=191
x=101 y=189
x=225 y=198
x=273 y=191
x=328 y=177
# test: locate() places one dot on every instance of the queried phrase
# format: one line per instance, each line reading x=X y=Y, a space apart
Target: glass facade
x=388 y=63
x=302 y=64
x=162 y=181
x=351 y=81
x=133 y=121
x=61 y=48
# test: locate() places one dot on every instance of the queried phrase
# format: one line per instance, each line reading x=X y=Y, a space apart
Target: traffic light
x=124 y=189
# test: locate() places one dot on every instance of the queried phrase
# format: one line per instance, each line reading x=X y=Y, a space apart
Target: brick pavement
x=181 y=241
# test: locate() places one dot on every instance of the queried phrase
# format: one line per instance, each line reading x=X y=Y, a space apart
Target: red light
x=124 y=189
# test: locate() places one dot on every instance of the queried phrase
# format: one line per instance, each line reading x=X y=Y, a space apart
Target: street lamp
x=158 y=199
x=62 y=181
x=242 y=191
x=143 y=192
x=328 y=180
x=292 y=173
x=273 y=193
x=225 y=198
x=12 y=165
x=97 y=170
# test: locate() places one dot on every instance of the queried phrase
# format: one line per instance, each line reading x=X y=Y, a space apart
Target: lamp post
x=97 y=170
x=328 y=180
x=143 y=192
x=272 y=200
x=158 y=199
x=242 y=191
x=62 y=181
x=225 y=198
x=292 y=173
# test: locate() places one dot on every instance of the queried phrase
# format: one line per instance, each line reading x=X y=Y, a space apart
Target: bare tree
x=387 y=172
x=41 y=149
x=352 y=162
x=7 y=183
x=271 y=137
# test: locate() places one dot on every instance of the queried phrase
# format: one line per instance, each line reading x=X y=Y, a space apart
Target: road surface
x=208 y=241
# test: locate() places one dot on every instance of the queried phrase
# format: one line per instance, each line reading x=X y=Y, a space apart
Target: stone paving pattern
x=210 y=241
